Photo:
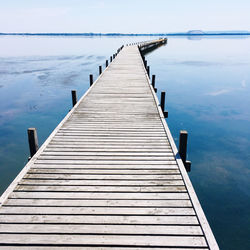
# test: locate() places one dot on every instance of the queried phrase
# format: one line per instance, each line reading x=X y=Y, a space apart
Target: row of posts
x=32 y=133
x=183 y=133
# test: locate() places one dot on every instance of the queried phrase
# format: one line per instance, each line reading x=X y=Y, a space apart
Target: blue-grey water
x=207 y=83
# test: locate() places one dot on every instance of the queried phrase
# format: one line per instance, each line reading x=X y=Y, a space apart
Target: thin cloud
x=224 y=91
x=220 y=92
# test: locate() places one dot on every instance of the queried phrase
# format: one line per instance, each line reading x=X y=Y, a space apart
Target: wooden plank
x=107 y=157
x=88 y=133
x=107 y=141
x=130 y=135
x=152 y=140
x=109 y=129
x=150 y=123
x=119 y=126
x=97 y=203
x=107 y=166
x=108 y=150
x=62 y=152
x=92 y=188
x=96 y=210
x=117 y=240
x=102 y=177
x=107 y=146
x=107 y=219
x=107 y=171
x=138 y=183
x=106 y=162
x=91 y=195
x=153 y=120
x=101 y=229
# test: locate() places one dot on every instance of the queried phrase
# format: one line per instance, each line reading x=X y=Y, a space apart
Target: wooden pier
x=109 y=176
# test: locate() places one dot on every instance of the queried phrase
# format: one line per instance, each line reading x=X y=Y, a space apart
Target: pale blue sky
x=127 y=16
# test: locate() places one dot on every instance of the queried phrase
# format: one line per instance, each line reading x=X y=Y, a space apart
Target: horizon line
x=189 y=33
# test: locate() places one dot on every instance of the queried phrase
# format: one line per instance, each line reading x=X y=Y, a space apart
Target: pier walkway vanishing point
x=109 y=176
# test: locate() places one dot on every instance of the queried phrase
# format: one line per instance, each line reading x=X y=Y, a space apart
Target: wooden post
x=33 y=141
x=183 y=149
x=188 y=166
x=74 y=97
x=153 y=81
x=111 y=59
x=107 y=63
x=148 y=70
x=100 y=70
x=90 y=80
x=165 y=114
x=163 y=94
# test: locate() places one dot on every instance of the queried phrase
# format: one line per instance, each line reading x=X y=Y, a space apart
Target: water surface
x=207 y=83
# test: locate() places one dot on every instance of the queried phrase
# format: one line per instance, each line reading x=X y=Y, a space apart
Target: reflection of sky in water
x=208 y=88
x=207 y=84
x=33 y=84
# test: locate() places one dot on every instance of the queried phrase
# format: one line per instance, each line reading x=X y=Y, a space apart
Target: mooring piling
x=33 y=141
x=90 y=80
x=148 y=71
x=183 y=149
x=74 y=97
x=163 y=96
x=153 y=81
x=163 y=100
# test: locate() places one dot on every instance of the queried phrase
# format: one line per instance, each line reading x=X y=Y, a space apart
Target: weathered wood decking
x=109 y=176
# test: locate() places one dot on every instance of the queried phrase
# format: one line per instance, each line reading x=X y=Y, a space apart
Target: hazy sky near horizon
x=130 y=16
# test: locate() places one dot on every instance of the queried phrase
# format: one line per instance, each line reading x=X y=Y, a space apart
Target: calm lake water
x=207 y=83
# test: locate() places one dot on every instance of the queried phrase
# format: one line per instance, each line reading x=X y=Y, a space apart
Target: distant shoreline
x=124 y=34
